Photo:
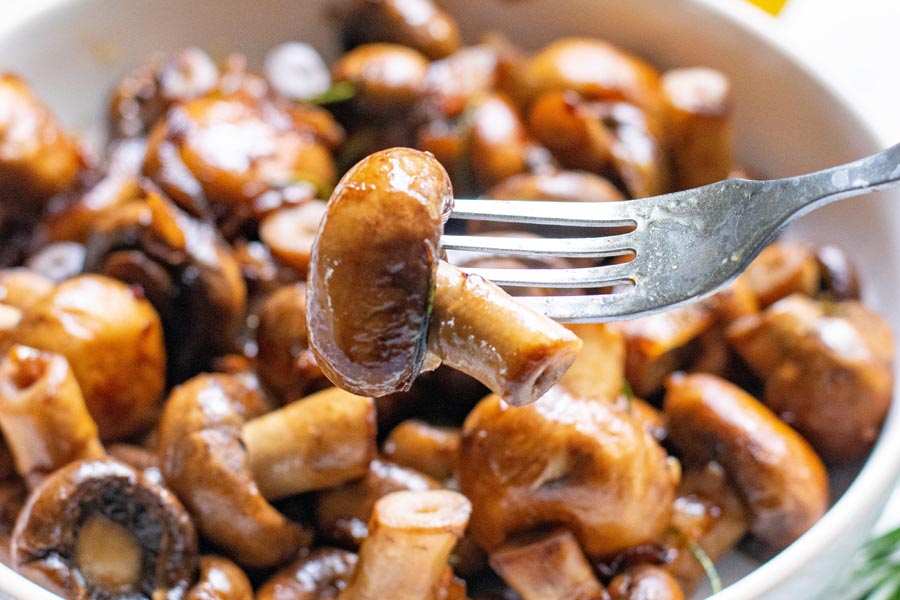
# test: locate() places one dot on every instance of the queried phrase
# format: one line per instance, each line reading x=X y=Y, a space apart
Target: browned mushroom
x=389 y=79
x=419 y=24
x=411 y=535
x=43 y=415
x=320 y=575
x=781 y=269
x=112 y=339
x=13 y=494
x=286 y=365
x=144 y=95
x=425 y=448
x=547 y=566
x=778 y=475
x=98 y=529
x=141 y=458
x=224 y=459
x=453 y=81
x=183 y=268
x=838 y=279
x=343 y=512
x=698 y=125
x=21 y=288
x=37 y=159
x=220 y=579
x=645 y=582
x=289 y=234
x=827 y=369
x=596 y=470
x=376 y=288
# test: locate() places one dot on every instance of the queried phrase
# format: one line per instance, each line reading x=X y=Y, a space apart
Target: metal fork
x=686 y=245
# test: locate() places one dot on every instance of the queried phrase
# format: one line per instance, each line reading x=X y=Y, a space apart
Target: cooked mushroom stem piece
x=551 y=567
x=645 y=582
x=776 y=472
x=481 y=330
x=220 y=579
x=699 y=125
x=42 y=413
x=375 y=284
x=410 y=538
x=426 y=448
x=322 y=574
x=98 y=529
x=314 y=443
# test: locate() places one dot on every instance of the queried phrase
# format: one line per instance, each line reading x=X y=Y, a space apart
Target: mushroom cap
x=371 y=272
x=595 y=470
x=113 y=341
x=220 y=579
x=46 y=534
x=321 y=574
x=204 y=461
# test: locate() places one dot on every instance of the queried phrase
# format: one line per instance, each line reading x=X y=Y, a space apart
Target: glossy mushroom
x=97 y=528
x=388 y=78
x=419 y=24
x=776 y=472
x=220 y=579
x=43 y=414
x=112 y=339
x=411 y=535
x=320 y=575
x=426 y=448
x=645 y=582
x=377 y=292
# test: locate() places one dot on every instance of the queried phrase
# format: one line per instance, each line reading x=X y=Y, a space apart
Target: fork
x=685 y=245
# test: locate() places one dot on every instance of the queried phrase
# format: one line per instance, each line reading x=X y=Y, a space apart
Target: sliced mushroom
x=699 y=125
x=425 y=448
x=547 y=566
x=286 y=365
x=343 y=512
x=778 y=475
x=220 y=579
x=37 y=158
x=112 y=339
x=289 y=233
x=98 y=529
x=376 y=287
x=596 y=470
x=144 y=95
x=827 y=368
x=43 y=414
x=419 y=24
x=645 y=582
x=184 y=269
x=322 y=574
x=411 y=535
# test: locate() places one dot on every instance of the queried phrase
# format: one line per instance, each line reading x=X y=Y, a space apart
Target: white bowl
x=788 y=122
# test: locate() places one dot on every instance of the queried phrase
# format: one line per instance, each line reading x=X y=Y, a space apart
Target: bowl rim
x=868 y=491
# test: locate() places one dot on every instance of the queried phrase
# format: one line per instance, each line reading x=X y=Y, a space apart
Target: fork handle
x=872 y=173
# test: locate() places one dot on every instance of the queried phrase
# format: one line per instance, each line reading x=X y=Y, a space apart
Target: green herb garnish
x=876 y=570
x=715 y=582
x=338 y=92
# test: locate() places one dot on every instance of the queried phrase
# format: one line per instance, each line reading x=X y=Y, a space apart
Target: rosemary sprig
x=876 y=570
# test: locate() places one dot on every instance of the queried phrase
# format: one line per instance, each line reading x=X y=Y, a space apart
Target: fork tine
x=598 y=247
x=585 y=277
x=544 y=212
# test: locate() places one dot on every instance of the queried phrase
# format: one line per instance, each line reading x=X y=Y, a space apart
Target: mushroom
x=699 y=125
x=411 y=535
x=220 y=579
x=273 y=156
x=645 y=582
x=388 y=78
x=141 y=458
x=321 y=574
x=224 y=460
x=425 y=448
x=183 y=268
x=596 y=470
x=827 y=368
x=289 y=233
x=112 y=339
x=343 y=512
x=58 y=260
x=782 y=269
x=37 y=159
x=838 y=279
x=775 y=471
x=285 y=364
x=144 y=95
x=43 y=415
x=21 y=287
x=497 y=142
x=456 y=79
x=547 y=566
x=419 y=24
x=98 y=529
x=377 y=292
x=13 y=493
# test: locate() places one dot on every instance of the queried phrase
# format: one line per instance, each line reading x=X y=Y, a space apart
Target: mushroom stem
x=547 y=568
x=318 y=442
x=411 y=535
x=479 y=329
x=108 y=554
x=42 y=413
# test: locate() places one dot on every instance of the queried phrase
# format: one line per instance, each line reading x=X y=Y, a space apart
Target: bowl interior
x=787 y=122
